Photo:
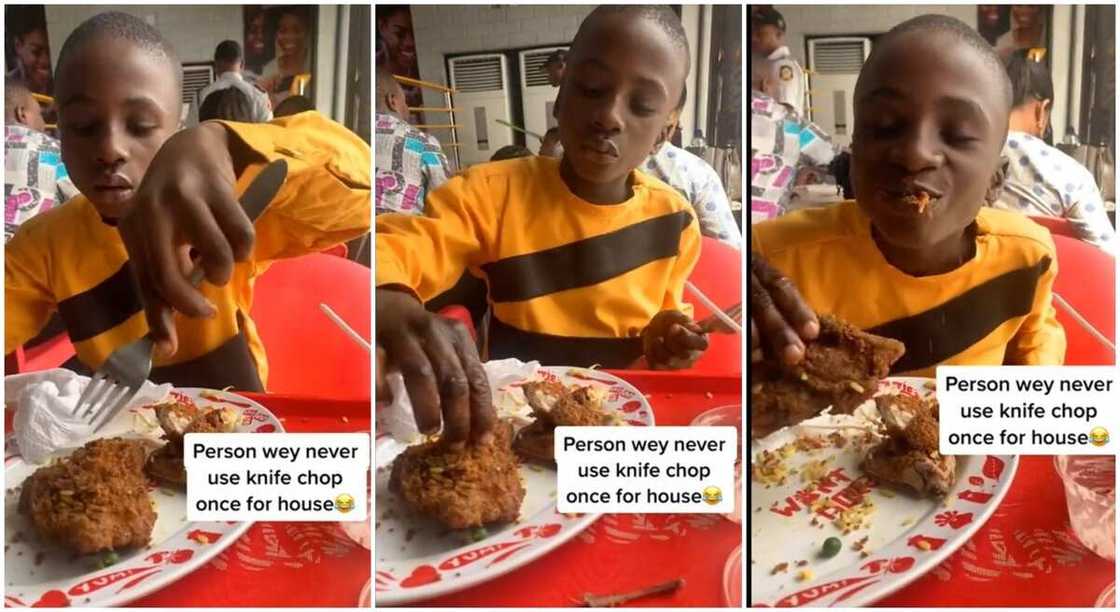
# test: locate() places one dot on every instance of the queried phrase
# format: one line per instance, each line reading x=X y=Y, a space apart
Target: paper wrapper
x=397 y=420
x=44 y=401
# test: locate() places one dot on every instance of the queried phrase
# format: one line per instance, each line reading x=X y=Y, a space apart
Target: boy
x=585 y=259
x=118 y=96
x=916 y=257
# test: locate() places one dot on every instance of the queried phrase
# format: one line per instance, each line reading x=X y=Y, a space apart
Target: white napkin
x=44 y=400
x=398 y=421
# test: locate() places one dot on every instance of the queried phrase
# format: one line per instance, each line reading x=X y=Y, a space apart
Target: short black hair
x=962 y=32
x=229 y=104
x=384 y=84
x=23 y=19
x=1030 y=79
x=510 y=152
x=227 y=52
x=292 y=105
x=660 y=14
x=122 y=26
x=16 y=92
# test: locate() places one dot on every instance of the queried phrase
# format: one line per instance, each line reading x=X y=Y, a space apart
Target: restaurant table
x=282 y=564
x=624 y=552
x=1025 y=555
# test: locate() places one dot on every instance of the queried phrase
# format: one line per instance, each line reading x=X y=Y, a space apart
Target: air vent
x=838 y=57
x=195 y=78
x=479 y=73
x=533 y=68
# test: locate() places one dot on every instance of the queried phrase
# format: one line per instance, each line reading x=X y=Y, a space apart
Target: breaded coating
x=909 y=455
x=461 y=485
x=94 y=500
x=165 y=466
x=841 y=368
x=555 y=405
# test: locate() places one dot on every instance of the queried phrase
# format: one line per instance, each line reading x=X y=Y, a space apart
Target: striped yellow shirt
x=70 y=260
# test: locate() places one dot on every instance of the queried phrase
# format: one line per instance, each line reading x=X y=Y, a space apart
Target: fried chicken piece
x=461 y=485
x=909 y=455
x=166 y=465
x=555 y=405
x=841 y=368
x=94 y=500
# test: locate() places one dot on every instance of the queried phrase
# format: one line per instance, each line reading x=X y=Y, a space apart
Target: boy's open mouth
x=914 y=198
x=602 y=150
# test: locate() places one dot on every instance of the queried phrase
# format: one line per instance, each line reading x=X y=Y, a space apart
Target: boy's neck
x=940 y=258
x=596 y=193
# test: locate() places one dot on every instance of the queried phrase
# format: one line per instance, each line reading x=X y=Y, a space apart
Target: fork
x=717 y=323
x=120 y=378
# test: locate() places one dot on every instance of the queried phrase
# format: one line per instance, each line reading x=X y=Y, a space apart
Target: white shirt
x=1041 y=180
x=789 y=79
x=262 y=108
x=701 y=186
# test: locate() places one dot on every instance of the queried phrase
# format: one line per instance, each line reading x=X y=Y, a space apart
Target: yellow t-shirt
x=70 y=260
x=995 y=309
x=569 y=282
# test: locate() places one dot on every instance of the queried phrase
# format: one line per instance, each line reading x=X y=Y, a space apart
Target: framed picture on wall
x=396 y=50
x=1016 y=26
x=279 y=47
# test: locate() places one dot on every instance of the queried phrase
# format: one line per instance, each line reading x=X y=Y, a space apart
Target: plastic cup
x=1090 y=484
x=729 y=416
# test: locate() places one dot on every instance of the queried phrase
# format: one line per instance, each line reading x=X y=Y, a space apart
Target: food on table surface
x=909 y=454
x=94 y=500
x=556 y=405
x=178 y=419
x=461 y=485
x=841 y=369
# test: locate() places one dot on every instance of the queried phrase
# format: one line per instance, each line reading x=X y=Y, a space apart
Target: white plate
x=417 y=559
x=38 y=572
x=908 y=536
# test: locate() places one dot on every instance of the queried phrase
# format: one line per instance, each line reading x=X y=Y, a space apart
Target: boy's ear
x=995 y=188
x=20 y=114
x=666 y=131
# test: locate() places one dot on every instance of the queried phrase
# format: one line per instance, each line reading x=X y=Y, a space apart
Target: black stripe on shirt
x=950 y=328
x=231 y=364
x=586 y=262
x=507 y=341
x=103 y=307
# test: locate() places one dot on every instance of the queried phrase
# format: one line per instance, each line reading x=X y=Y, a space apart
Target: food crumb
x=864 y=554
x=779 y=568
x=922 y=544
x=708 y=394
x=802 y=563
x=805 y=575
x=908 y=522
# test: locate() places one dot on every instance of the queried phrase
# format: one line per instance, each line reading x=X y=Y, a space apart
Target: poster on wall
x=396 y=50
x=1012 y=27
x=279 y=45
x=27 y=52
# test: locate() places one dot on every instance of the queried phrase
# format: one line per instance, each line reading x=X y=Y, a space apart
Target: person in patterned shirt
x=698 y=182
x=1041 y=179
x=408 y=164
x=35 y=179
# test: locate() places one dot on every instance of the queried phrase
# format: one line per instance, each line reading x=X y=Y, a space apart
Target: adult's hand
x=185 y=203
x=440 y=365
x=781 y=321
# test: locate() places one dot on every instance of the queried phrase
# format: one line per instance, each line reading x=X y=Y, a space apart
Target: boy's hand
x=672 y=341
x=780 y=318
x=185 y=200
x=440 y=365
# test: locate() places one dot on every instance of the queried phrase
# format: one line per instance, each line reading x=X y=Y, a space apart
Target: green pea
x=831 y=548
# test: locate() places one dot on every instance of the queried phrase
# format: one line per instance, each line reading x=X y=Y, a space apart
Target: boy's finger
x=787 y=299
x=451 y=381
x=236 y=227
x=682 y=340
x=775 y=332
x=202 y=231
x=384 y=394
x=166 y=276
x=408 y=356
x=483 y=415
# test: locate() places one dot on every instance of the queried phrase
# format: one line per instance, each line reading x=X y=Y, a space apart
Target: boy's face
x=117 y=105
x=620 y=85
x=930 y=118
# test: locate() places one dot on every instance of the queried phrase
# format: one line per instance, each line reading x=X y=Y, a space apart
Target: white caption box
x=1032 y=409
x=654 y=464
x=279 y=477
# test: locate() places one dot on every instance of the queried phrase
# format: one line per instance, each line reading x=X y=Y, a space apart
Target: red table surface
x=283 y=564
x=624 y=552
x=1025 y=555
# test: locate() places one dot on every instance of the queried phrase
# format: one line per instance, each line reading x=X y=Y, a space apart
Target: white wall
x=194 y=31
x=802 y=20
x=444 y=29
